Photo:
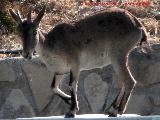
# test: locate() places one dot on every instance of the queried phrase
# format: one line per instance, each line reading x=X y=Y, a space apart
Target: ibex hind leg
x=113 y=110
x=121 y=101
x=128 y=80
x=129 y=83
x=126 y=84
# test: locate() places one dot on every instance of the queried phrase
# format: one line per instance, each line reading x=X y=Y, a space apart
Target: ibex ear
x=16 y=16
x=41 y=37
x=39 y=17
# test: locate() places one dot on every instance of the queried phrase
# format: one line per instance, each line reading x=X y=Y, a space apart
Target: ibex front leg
x=74 y=77
x=55 y=87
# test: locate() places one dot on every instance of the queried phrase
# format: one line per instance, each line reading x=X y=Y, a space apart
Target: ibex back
x=100 y=39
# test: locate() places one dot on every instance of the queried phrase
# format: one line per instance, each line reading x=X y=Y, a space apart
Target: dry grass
x=67 y=10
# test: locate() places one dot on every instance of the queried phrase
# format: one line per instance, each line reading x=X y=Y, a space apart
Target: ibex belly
x=95 y=57
x=56 y=63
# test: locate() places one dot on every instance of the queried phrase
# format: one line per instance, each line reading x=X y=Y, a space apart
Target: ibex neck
x=40 y=37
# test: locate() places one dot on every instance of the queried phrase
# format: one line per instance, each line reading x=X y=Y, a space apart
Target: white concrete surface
x=96 y=117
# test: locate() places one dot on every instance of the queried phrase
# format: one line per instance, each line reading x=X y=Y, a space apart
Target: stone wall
x=25 y=87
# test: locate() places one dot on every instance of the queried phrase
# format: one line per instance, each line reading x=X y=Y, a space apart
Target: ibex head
x=27 y=30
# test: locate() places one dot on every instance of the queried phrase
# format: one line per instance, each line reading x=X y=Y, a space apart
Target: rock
x=96 y=91
x=6 y=71
x=16 y=106
x=145 y=67
x=155 y=98
x=139 y=102
x=40 y=80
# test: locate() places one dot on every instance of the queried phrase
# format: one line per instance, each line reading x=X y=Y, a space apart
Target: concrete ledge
x=96 y=117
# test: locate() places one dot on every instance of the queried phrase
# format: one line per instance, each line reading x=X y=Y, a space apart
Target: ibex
x=107 y=35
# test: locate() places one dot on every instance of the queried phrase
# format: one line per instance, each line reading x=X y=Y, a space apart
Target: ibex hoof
x=112 y=115
x=69 y=115
x=112 y=112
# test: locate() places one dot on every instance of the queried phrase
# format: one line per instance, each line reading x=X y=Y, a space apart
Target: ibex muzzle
x=106 y=36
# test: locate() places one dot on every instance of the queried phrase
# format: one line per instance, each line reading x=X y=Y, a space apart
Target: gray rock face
x=7 y=73
x=16 y=105
x=25 y=87
x=93 y=85
x=41 y=89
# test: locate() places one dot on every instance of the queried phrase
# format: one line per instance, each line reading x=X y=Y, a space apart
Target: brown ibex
x=107 y=35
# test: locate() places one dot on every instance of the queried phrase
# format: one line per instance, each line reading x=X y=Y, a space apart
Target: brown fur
x=103 y=38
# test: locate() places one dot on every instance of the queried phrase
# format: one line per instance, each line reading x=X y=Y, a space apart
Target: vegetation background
x=66 y=11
